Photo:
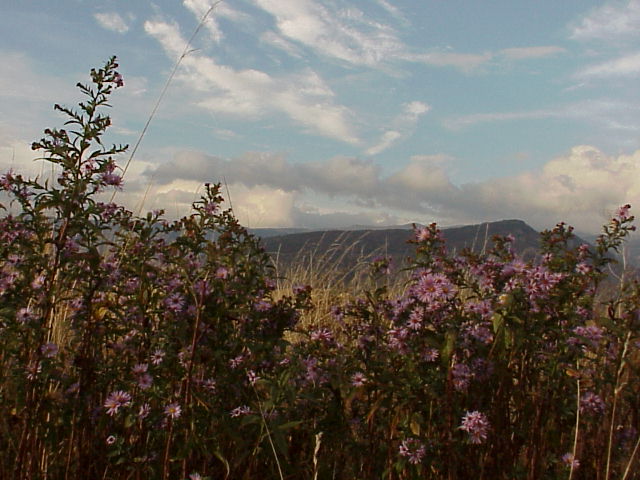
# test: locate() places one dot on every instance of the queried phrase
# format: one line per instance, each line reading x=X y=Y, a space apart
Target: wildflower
x=323 y=335
x=24 y=315
x=252 y=377
x=140 y=368
x=591 y=404
x=49 y=350
x=222 y=273
x=209 y=384
x=173 y=410
x=115 y=400
x=583 y=268
x=570 y=461
x=236 y=362
x=195 y=476
x=476 y=425
x=239 y=411
x=33 y=369
x=623 y=212
x=358 y=379
x=462 y=376
x=423 y=234
x=118 y=80
x=157 y=356
x=413 y=449
x=174 y=302
x=262 y=306
x=415 y=319
x=430 y=355
x=144 y=411
x=144 y=381
x=111 y=439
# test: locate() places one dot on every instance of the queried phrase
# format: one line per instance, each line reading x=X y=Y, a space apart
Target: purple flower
x=413 y=449
x=623 y=212
x=240 y=411
x=222 y=273
x=144 y=381
x=118 y=80
x=115 y=400
x=476 y=425
x=358 y=379
x=24 y=315
x=570 y=461
x=157 y=357
x=49 y=350
x=174 y=302
x=173 y=410
x=591 y=404
x=322 y=335
x=144 y=411
x=430 y=355
x=462 y=376
x=111 y=439
x=252 y=377
x=140 y=368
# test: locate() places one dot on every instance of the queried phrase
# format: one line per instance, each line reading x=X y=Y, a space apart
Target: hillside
x=349 y=246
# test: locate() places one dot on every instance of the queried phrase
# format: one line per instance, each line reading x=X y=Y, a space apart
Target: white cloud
x=522 y=53
x=393 y=10
x=403 y=126
x=462 y=121
x=623 y=66
x=466 y=62
x=577 y=187
x=388 y=138
x=221 y=9
x=278 y=41
x=605 y=113
x=342 y=34
x=112 y=21
x=416 y=109
x=253 y=93
x=610 y=22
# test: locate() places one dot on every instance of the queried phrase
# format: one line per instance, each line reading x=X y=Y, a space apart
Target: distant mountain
x=349 y=246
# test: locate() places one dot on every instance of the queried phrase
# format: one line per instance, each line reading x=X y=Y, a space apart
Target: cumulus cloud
x=576 y=187
x=610 y=22
x=254 y=93
x=112 y=21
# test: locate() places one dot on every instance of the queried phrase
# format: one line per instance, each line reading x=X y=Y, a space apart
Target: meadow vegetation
x=133 y=347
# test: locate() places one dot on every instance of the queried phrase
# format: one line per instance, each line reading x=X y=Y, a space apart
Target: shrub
x=135 y=347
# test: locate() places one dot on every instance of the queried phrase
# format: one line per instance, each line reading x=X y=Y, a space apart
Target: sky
x=333 y=113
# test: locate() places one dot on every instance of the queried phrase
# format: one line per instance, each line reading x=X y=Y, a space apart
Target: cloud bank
x=576 y=187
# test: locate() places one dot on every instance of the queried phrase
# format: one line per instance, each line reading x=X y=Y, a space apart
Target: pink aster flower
x=570 y=461
x=173 y=410
x=413 y=449
x=157 y=357
x=115 y=400
x=240 y=411
x=476 y=425
x=358 y=379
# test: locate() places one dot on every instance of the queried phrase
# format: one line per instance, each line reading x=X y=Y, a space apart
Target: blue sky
x=330 y=113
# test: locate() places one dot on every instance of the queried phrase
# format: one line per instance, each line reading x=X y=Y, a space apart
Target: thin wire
x=187 y=50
